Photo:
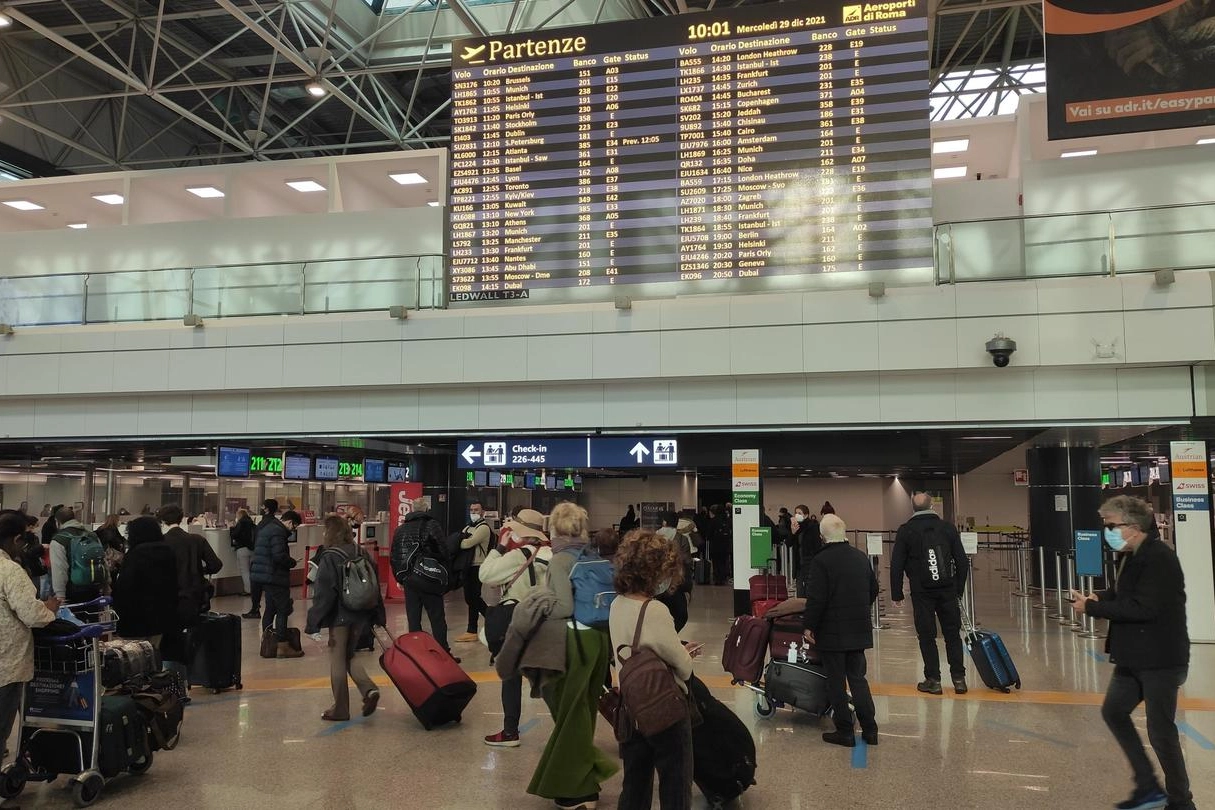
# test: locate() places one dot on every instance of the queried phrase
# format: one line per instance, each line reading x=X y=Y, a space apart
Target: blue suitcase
x=992 y=660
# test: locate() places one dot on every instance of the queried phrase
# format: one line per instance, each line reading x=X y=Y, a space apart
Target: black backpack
x=938 y=568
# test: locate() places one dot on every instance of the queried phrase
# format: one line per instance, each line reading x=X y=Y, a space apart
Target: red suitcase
x=760 y=607
x=745 y=649
x=768 y=586
x=429 y=679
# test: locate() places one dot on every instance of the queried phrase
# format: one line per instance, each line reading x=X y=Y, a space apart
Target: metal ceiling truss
x=110 y=84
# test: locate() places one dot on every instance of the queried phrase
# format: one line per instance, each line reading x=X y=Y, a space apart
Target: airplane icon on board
x=470 y=53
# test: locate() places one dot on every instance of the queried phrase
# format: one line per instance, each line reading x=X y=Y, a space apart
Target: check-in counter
x=228 y=582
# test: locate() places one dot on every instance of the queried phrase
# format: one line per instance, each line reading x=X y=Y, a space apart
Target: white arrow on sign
x=640 y=451
x=470 y=455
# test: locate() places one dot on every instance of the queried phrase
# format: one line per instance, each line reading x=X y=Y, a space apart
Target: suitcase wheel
x=141 y=767
x=764 y=708
x=12 y=781
x=86 y=788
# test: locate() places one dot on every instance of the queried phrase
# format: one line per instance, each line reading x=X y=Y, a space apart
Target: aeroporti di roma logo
x=854 y=14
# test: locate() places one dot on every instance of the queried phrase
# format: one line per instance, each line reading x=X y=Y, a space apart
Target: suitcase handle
x=968 y=625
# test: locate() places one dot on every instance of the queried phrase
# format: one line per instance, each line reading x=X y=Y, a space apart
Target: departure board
x=750 y=148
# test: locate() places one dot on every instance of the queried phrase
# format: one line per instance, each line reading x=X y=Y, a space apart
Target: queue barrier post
x=1058 y=615
x=1069 y=618
x=1041 y=604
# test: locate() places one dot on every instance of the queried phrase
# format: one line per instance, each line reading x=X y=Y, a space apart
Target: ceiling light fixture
x=1205 y=141
x=78 y=226
x=407 y=178
x=305 y=185
x=950 y=146
x=1075 y=153
x=434 y=203
x=316 y=89
x=5 y=21
x=206 y=192
x=110 y=199
x=983 y=438
x=949 y=173
x=24 y=205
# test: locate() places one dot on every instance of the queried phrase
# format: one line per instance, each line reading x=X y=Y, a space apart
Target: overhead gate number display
x=540 y=453
x=712 y=151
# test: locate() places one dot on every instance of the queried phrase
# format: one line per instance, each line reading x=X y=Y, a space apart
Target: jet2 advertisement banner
x=1115 y=66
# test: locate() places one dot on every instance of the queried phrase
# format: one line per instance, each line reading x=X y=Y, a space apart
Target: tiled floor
x=267 y=747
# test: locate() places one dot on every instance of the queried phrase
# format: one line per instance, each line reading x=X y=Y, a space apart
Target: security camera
x=1001 y=350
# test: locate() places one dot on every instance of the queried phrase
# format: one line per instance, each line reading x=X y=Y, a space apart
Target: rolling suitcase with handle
x=429 y=679
x=745 y=649
x=990 y=656
x=213 y=647
x=768 y=590
x=723 y=750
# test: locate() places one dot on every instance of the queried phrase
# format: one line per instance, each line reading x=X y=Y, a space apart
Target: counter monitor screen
x=325 y=468
x=550 y=482
x=480 y=478
x=734 y=149
x=297 y=467
x=397 y=473
x=233 y=462
x=1166 y=474
x=529 y=481
x=374 y=471
x=495 y=478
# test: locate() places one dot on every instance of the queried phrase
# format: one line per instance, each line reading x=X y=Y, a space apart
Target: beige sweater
x=657 y=634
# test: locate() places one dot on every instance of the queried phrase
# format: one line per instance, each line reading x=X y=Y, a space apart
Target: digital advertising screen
x=375 y=471
x=325 y=468
x=232 y=462
x=735 y=149
x=297 y=467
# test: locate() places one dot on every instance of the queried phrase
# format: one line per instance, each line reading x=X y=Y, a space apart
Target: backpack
x=937 y=558
x=360 y=588
x=649 y=696
x=86 y=557
x=594 y=582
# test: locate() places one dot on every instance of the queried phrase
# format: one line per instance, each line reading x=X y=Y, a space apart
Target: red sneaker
x=503 y=740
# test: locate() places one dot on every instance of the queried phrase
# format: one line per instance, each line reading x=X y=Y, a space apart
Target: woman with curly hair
x=647 y=565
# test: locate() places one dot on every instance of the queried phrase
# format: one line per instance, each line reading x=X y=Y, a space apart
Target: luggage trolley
x=60 y=713
x=799 y=684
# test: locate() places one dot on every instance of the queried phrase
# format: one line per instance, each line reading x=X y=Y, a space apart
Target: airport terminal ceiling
x=99 y=85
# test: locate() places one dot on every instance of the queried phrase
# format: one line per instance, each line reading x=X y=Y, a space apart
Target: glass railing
x=291 y=288
x=1105 y=243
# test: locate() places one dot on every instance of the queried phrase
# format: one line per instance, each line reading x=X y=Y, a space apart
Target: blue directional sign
x=520 y=453
x=634 y=452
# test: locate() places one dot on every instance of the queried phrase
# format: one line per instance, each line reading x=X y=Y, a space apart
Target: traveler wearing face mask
x=806 y=542
x=1149 y=646
x=476 y=536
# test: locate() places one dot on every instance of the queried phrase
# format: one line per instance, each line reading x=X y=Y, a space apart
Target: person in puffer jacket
x=516 y=566
x=271 y=568
x=420 y=532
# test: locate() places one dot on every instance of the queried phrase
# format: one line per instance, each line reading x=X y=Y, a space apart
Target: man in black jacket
x=837 y=621
x=271 y=568
x=929 y=551
x=420 y=533
x=196 y=561
x=1149 y=646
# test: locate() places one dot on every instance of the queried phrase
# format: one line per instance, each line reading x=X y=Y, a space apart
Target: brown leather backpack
x=651 y=699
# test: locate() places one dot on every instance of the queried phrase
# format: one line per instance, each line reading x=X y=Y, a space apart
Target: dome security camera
x=1001 y=350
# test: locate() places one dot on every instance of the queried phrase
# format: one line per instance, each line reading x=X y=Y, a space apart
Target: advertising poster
x=652 y=512
x=1116 y=66
x=66 y=697
x=402 y=498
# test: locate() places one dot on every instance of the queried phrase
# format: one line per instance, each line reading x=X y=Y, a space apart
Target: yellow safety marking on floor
x=723 y=682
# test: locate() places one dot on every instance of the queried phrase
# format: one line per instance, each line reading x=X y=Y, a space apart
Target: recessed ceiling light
x=1079 y=153
x=78 y=226
x=434 y=204
x=1205 y=141
x=316 y=89
x=109 y=199
x=983 y=438
x=24 y=205
x=949 y=173
x=206 y=192
x=305 y=185
x=947 y=147
x=407 y=178
x=5 y=21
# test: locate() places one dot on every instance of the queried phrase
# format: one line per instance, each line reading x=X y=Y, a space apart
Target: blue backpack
x=594 y=581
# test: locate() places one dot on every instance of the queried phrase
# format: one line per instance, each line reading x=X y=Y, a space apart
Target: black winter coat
x=271 y=563
x=1146 y=610
x=909 y=558
x=244 y=533
x=327 y=609
x=419 y=531
x=145 y=591
x=808 y=540
x=195 y=561
x=842 y=590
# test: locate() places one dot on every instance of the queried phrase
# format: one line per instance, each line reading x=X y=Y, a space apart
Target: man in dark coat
x=1149 y=646
x=837 y=621
x=929 y=551
x=420 y=533
x=271 y=568
x=196 y=561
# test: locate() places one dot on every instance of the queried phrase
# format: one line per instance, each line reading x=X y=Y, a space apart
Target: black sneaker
x=1149 y=799
x=930 y=686
x=844 y=738
x=959 y=686
x=870 y=737
x=253 y=614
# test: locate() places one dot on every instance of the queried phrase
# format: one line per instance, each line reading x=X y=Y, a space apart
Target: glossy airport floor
x=266 y=746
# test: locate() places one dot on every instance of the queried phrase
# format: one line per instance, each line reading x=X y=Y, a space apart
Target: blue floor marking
x=1195 y=735
x=340 y=726
x=1024 y=732
x=1097 y=656
x=860 y=755
x=529 y=725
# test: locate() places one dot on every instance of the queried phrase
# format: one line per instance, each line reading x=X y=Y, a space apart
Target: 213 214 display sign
x=747 y=148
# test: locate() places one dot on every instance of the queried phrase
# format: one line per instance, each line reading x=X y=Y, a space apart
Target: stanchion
x=1022 y=590
x=1041 y=604
x=969 y=592
x=876 y=610
x=1058 y=614
x=1069 y=619
x=1090 y=624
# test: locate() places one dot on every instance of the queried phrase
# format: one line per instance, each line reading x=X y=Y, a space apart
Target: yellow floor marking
x=723 y=682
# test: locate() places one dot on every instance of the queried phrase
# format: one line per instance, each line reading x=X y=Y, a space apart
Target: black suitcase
x=703 y=570
x=723 y=751
x=124 y=737
x=803 y=686
x=213 y=646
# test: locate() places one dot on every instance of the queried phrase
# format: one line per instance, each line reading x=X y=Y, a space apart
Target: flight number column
x=463 y=249
x=492 y=142
x=695 y=126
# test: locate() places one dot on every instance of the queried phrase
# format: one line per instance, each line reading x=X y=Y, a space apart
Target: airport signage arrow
x=470 y=454
x=639 y=451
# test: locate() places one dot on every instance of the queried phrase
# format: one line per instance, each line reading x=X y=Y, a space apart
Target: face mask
x=1115 y=539
x=473 y=517
x=663 y=587
x=799 y=517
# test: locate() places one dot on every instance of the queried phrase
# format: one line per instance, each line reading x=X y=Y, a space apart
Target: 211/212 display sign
x=728 y=150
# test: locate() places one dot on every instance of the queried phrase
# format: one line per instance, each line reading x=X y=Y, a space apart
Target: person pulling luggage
x=842 y=589
x=417 y=541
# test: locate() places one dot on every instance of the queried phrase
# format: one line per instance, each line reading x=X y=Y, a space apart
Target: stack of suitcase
x=767 y=591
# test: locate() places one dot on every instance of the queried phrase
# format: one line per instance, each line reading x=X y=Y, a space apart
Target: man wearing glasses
x=1149 y=647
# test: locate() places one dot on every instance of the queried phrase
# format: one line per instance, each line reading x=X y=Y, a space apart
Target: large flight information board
x=749 y=148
